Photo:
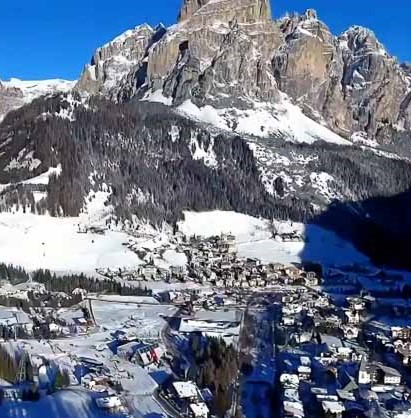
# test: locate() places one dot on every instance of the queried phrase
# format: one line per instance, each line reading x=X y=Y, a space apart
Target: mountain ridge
x=348 y=82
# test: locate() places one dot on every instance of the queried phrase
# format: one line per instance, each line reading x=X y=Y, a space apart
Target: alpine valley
x=226 y=110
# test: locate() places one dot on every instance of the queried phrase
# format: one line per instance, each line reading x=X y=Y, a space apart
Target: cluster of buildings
x=332 y=360
x=43 y=323
x=215 y=261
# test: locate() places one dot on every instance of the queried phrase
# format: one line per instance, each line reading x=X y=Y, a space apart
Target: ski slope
x=34 y=242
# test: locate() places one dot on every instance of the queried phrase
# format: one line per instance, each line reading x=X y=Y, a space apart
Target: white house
x=199 y=410
x=364 y=375
x=289 y=380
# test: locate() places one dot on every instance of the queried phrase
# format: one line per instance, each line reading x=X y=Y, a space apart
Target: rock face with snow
x=251 y=103
x=218 y=48
x=114 y=60
x=232 y=54
x=308 y=68
x=200 y=12
x=350 y=81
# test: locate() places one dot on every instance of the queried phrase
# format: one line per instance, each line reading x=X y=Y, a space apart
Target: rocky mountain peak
x=208 y=11
x=311 y=14
x=230 y=53
x=15 y=93
x=358 y=38
x=115 y=59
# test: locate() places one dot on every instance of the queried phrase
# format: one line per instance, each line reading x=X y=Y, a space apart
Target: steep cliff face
x=350 y=81
x=231 y=54
x=218 y=48
x=189 y=8
x=114 y=60
x=308 y=68
x=200 y=12
x=374 y=84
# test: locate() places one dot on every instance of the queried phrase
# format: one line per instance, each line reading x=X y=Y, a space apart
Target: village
x=221 y=334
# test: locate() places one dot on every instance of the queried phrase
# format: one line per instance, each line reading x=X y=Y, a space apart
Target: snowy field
x=254 y=239
x=34 y=242
x=207 y=224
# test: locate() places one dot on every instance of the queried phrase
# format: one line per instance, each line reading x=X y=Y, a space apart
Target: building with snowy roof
x=199 y=410
x=186 y=390
x=333 y=408
x=108 y=402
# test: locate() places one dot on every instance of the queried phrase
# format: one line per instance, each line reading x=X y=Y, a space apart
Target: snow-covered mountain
x=15 y=92
x=231 y=54
x=32 y=89
x=228 y=109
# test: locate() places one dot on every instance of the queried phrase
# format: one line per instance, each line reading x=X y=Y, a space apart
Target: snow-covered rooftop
x=185 y=389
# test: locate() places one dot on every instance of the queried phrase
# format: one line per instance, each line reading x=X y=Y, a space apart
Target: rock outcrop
x=200 y=12
x=10 y=98
x=114 y=60
x=15 y=93
x=307 y=66
x=218 y=50
x=351 y=82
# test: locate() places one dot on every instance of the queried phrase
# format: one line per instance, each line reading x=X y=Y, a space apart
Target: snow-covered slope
x=16 y=93
x=284 y=120
x=36 y=88
x=35 y=242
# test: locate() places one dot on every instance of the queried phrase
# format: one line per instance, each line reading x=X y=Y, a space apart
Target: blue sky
x=55 y=38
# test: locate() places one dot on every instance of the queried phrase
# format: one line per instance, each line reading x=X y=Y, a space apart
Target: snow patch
x=208 y=155
x=157 y=97
x=321 y=182
x=23 y=161
x=175 y=258
x=45 y=177
x=362 y=138
x=96 y=210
